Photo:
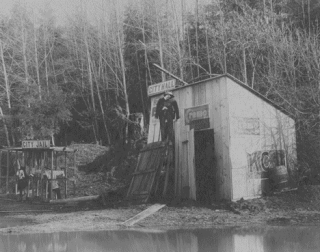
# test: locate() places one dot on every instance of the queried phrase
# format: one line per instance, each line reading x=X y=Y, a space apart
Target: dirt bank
x=297 y=207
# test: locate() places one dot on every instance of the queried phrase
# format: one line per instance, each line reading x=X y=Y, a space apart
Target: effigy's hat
x=169 y=93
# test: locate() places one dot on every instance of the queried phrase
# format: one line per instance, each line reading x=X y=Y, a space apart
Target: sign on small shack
x=31 y=144
x=161 y=87
x=197 y=117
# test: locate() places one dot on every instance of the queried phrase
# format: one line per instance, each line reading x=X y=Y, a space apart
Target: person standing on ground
x=167 y=111
x=56 y=188
x=22 y=180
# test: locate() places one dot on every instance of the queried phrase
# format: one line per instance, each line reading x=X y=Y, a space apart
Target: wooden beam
x=172 y=75
x=0 y=166
x=7 y=180
x=65 y=175
x=144 y=214
x=51 y=180
x=85 y=198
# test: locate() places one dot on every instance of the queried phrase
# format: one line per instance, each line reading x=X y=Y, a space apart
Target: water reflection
x=273 y=239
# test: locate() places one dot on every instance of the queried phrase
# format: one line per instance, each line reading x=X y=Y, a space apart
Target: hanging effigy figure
x=168 y=112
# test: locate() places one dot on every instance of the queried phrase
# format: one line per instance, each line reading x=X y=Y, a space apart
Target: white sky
x=61 y=8
x=64 y=8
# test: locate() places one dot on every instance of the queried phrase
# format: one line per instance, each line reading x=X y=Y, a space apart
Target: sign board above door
x=197 y=117
x=161 y=87
x=196 y=113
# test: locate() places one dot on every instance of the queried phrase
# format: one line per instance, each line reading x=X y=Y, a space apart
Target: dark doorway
x=205 y=165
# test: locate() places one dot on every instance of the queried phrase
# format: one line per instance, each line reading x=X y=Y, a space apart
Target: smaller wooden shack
x=228 y=138
x=44 y=165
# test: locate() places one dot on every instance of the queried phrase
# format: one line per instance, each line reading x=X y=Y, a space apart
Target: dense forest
x=80 y=81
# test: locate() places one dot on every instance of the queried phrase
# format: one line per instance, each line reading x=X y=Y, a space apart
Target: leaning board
x=150 y=160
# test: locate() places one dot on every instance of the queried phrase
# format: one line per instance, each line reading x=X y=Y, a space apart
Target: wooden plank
x=151 y=132
x=169 y=163
x=184 y=185
x=154 y=124
x=177 y=131
x=184 y=171
x=143 y=179
x=51 y=180
x=225 y=126
x=7 y=180
x=0 y=166
x=66 y=175
x=213 y=96
x=153 y=178
x=84 y=198
x=191 y=165
x=152 y=146
x=157 y=132
x=144 y=214
x=199 y=94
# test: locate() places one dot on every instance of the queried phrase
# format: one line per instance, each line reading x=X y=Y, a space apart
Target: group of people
x=23 y=180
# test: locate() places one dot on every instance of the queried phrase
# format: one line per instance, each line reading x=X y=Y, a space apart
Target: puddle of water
x=274 y=239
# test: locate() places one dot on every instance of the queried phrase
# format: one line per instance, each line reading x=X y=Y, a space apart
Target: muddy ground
x=295 y=207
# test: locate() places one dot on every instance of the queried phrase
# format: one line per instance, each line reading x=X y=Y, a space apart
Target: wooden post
x=46 y=196
x=7 y=179
x=65 y=175
x=0 y=166
x=168 y=170
x=38 y=182
x=28 y=188
x=41 y=187
x=15 y=172
x=51 y=181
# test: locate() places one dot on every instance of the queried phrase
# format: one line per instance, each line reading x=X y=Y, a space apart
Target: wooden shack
x=227 y=138
x=44 y=164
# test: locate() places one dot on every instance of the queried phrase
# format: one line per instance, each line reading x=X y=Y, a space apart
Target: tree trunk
x=5 y=76
x=37 y=62
x=208 y=52
x=244 y=65
x=163 y=76
x=5 y=127
x=197 y=37
x=25 y=63
x=123 y=71
x=95 y=123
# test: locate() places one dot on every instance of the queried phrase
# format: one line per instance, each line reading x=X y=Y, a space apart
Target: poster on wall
x=247 y=126
x=263 y=161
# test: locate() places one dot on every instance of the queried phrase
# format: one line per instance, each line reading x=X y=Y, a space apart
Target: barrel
x=278 y=177
x=265 y=186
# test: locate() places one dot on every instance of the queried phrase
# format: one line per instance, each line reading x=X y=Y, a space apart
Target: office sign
x=161 y=87
x=34 y=144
